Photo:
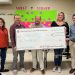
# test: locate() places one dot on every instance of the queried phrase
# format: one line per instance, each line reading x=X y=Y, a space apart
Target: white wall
x=67 y=6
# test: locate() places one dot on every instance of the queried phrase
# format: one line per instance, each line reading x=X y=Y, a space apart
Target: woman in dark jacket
x=58 y=52
x=3 y=44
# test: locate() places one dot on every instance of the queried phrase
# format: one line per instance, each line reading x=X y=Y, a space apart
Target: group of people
x=37 y=55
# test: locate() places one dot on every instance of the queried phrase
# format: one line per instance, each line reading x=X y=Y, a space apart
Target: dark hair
x=63 y=15
x=73 y=15
x=3 y=26
x=16 y=15
x=38 y=16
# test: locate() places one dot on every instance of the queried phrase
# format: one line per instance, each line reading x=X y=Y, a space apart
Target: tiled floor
x=28 y=62
x=49 y=72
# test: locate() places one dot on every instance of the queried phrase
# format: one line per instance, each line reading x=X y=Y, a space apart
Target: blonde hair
x=63 y=15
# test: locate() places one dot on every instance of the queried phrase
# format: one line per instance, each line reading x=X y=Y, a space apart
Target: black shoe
x=43 y=72
x=5 y=70
x=32 y=70
x=0 y=74
x=71 y=71
x=67 y=57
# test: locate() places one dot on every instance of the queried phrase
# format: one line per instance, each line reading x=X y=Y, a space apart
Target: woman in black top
x=58 y=52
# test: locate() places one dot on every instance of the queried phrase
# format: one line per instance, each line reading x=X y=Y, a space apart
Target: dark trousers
x=58 y=57
x=3 y=57
x=67 y=51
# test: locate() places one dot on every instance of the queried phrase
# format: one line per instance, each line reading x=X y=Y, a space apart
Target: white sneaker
x=54 y=69
x=59 y=69
x=14 y=72
x=23 y=69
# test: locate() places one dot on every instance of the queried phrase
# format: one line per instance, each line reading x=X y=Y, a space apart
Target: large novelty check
x=40 y=38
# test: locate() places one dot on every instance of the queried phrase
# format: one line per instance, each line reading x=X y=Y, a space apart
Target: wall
x=60 y=5
x=67 y=6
